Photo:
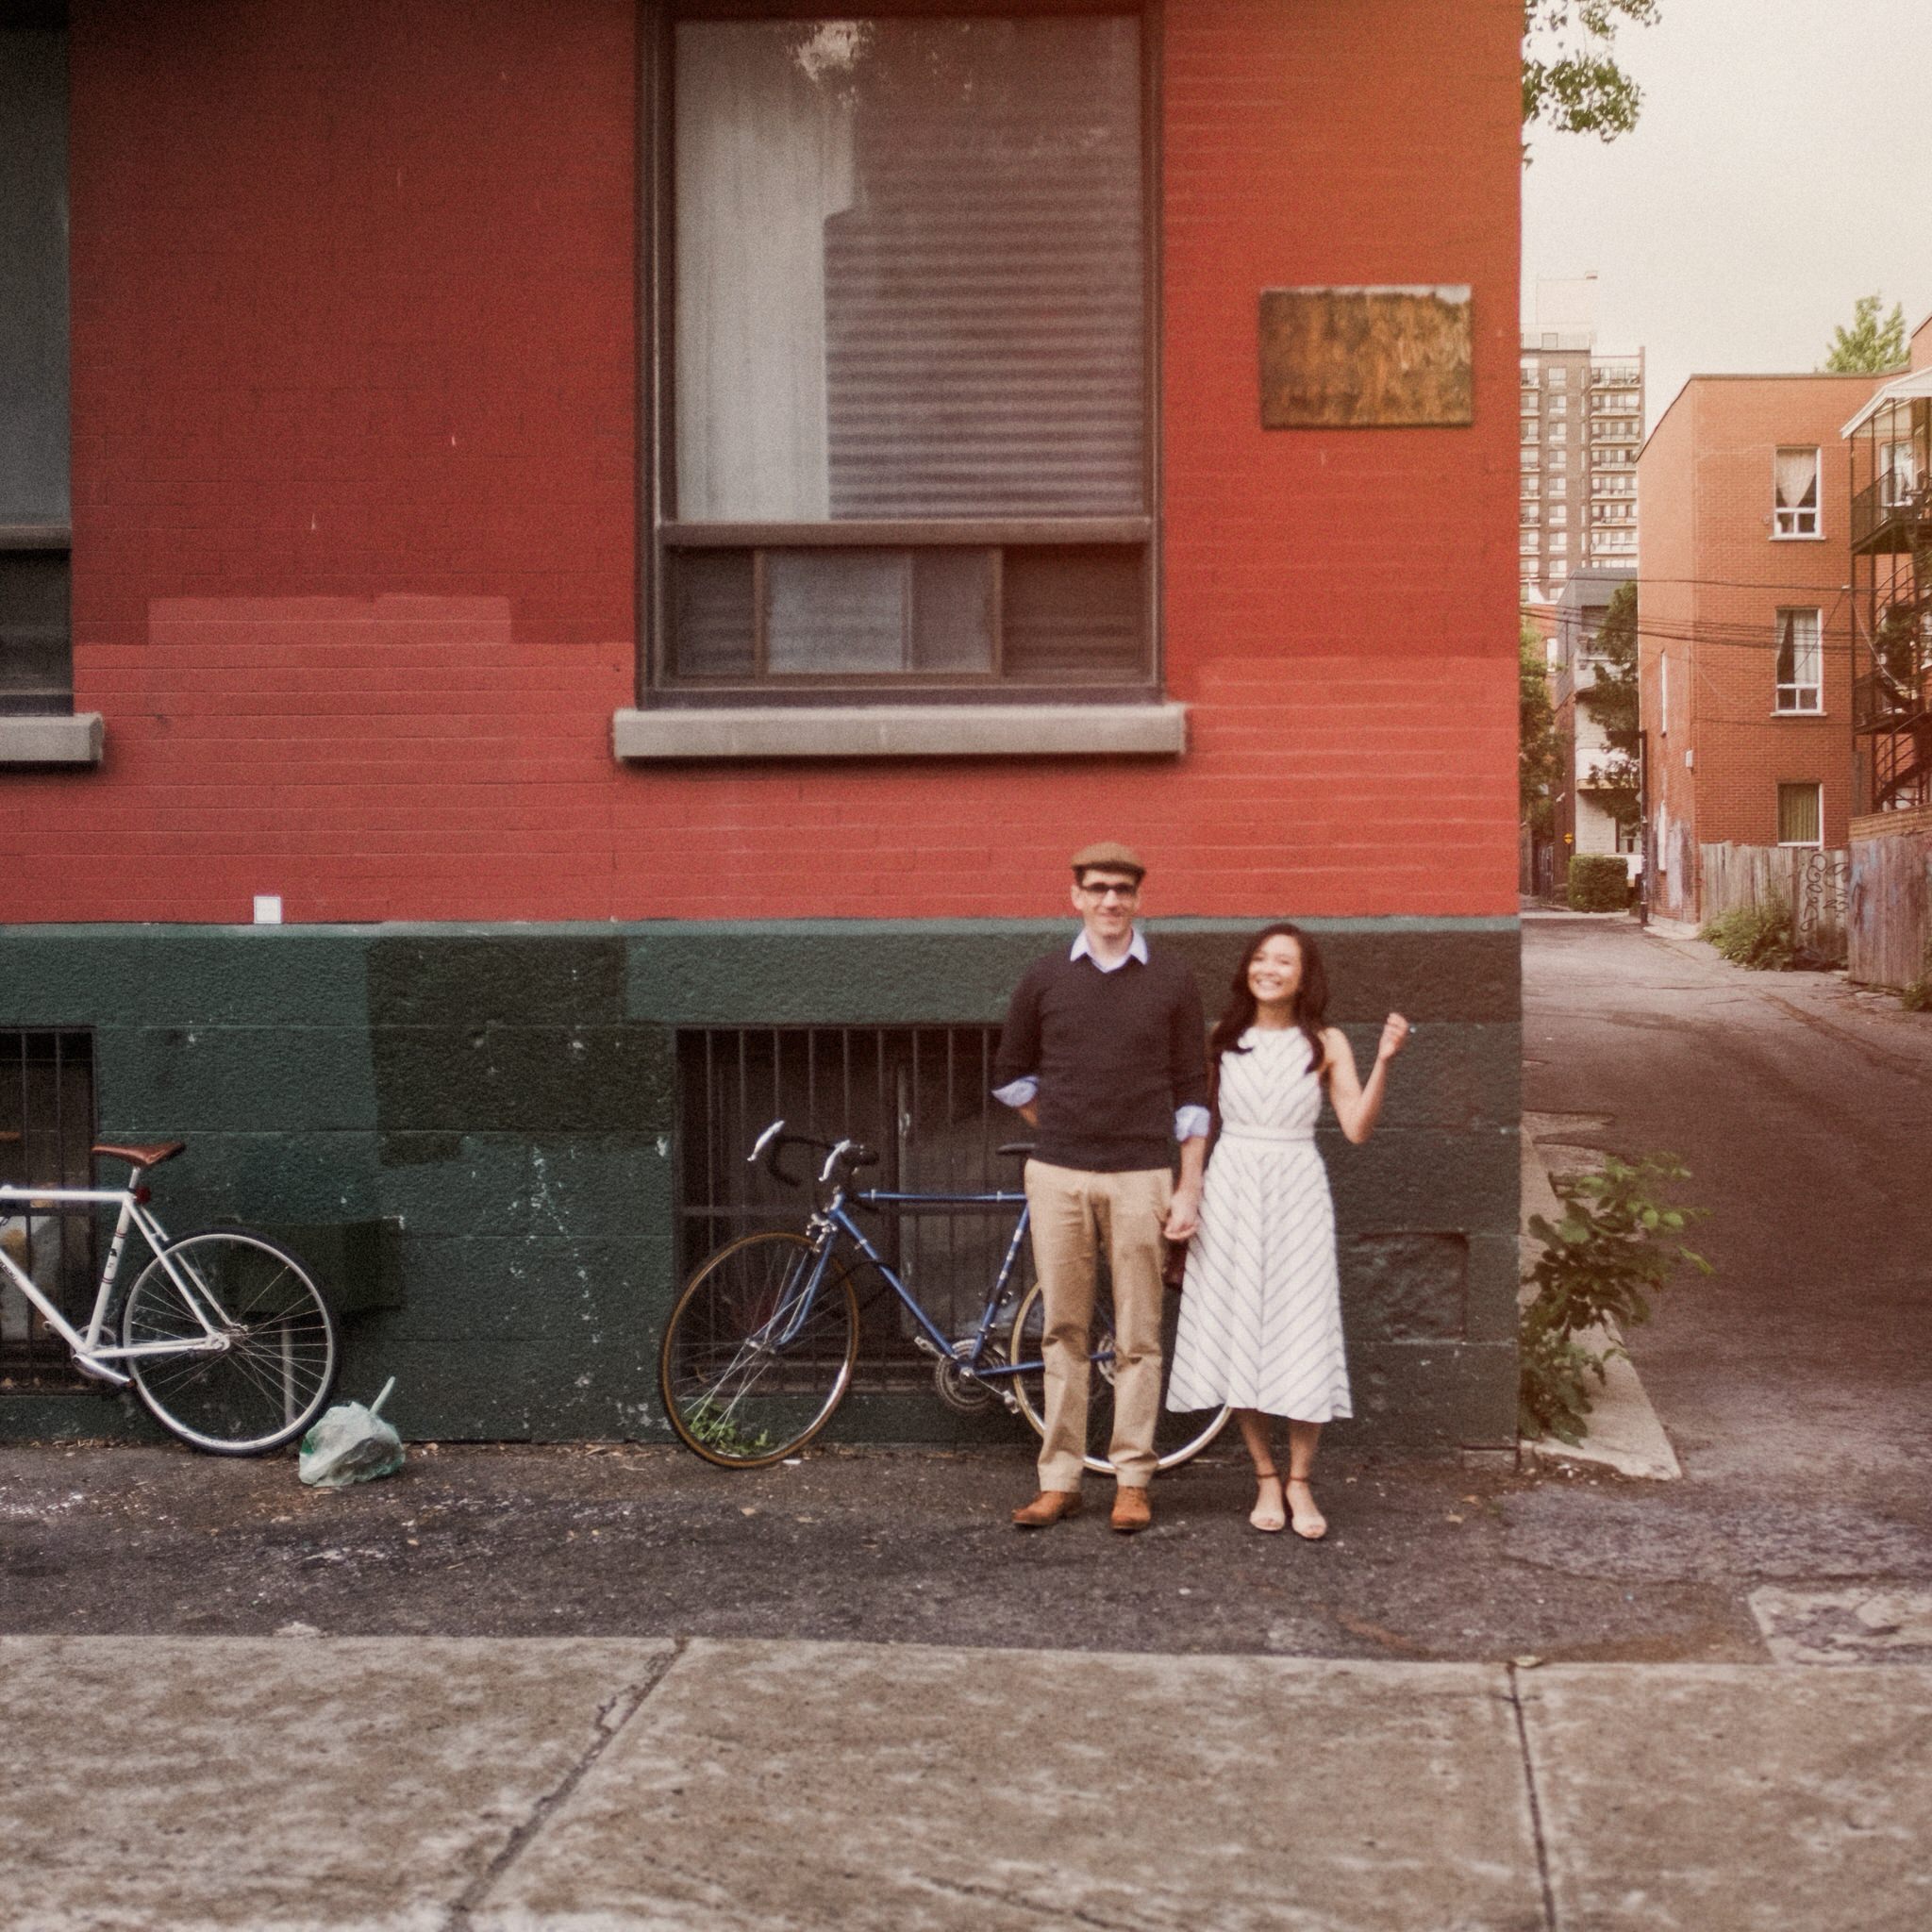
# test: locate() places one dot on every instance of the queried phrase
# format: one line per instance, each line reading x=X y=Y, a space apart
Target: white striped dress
x=1260 y=1319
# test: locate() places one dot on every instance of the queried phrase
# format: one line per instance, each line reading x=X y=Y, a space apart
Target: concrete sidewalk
x=274 y=1784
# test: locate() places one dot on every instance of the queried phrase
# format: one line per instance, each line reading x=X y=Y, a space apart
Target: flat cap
x=1112 y=854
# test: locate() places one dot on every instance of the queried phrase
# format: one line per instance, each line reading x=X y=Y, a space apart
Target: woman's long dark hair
x=1310 y=1005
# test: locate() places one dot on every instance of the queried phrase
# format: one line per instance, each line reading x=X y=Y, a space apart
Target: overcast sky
x=1781 y=168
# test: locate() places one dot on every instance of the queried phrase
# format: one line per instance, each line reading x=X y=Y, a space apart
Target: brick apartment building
x=644 y=534
x=1746 y=620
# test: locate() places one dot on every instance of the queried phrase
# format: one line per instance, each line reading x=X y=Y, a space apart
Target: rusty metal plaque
x=1366 y=358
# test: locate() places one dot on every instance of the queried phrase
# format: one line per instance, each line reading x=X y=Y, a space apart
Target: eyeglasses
x=1112 y=891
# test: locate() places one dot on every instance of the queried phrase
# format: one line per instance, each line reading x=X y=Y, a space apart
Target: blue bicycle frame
x=833 y=1220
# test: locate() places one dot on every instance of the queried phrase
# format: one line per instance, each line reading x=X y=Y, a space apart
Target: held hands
x=1183 y=1213
x=1395 y=1032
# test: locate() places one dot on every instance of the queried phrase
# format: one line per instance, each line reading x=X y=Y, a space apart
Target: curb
x=1625 y=1432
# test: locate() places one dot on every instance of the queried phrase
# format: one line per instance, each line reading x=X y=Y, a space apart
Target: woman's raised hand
x=1395 y=1032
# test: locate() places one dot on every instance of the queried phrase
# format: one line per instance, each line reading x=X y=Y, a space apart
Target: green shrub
x=1755 y=936
x=1615 y=1245
x=1598 y=883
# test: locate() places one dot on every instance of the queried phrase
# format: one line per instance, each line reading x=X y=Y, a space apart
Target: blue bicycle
x=760 y=1349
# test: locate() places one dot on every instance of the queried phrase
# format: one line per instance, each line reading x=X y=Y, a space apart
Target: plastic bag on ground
x=350 y=1445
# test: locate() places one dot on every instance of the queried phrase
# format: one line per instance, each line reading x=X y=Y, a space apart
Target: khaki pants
x=1075 y=1212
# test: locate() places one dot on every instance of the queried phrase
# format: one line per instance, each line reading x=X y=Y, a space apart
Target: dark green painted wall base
x=503 y=1102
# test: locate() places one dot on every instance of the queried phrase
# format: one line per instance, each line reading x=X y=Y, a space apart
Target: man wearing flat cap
x=1103 y=1056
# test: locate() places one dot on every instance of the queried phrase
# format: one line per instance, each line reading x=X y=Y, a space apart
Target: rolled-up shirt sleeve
x=1016 y=1065
x=1190 y=1123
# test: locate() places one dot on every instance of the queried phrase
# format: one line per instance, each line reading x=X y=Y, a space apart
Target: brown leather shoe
x=1050 y=1506
x=1130 y=1511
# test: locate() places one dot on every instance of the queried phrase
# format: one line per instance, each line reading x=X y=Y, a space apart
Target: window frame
x=38 y=723
x=1796 y=534
x=1796 y=708
x=1816 y=786
x=660 y=532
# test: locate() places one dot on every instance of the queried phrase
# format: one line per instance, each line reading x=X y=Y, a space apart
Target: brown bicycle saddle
x=150 y=1154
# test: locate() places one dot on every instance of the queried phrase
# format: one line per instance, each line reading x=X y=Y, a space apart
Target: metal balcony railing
x=1892 y=507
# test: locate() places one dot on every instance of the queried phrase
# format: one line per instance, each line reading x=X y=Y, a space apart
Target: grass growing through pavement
x=1759 y=937
x=1615 y=1245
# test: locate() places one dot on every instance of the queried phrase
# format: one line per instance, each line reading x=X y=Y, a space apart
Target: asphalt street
x=1792 y=1384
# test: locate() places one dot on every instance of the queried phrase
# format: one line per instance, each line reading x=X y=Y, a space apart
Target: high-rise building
x=1582 y=425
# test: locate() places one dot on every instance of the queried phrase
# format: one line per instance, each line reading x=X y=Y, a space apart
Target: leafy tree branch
x=1570 y=78
x=1612 y=701
x=1871 y=345
x=1538 y=753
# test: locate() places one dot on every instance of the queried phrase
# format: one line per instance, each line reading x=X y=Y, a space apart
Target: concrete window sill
x=75 y=740
x=901 y=731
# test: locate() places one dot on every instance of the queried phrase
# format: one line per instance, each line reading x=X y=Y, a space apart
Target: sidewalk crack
x=613 y=1714
x=1536 y=1808
x=1058 y=1915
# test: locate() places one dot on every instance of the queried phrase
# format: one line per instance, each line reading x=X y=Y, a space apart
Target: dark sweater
x=1115 y=1054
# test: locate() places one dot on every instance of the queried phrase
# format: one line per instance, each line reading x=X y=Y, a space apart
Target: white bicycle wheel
x=1177 y=1436
x=273 y=1377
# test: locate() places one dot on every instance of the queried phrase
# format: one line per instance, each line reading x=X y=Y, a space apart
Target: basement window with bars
x=920 y=1095
x=48 y=1102
x=905 y=317
x=1800 y=661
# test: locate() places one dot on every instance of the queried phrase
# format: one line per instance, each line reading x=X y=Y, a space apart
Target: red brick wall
x=354 y=449
x=1712 y=579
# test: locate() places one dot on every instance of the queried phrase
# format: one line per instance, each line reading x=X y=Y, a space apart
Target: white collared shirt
x=1082 y=948
x=1190 y=1123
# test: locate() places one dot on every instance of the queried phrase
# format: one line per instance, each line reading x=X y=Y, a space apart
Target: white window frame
x=1791 y=524
x=1785 y=785
x=1788 y=700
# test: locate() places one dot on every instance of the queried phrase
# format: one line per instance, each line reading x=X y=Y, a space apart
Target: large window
x=1795 y=489
x=1800 y=661
x=46 y=1128
x=36 y=660
x=906 y=381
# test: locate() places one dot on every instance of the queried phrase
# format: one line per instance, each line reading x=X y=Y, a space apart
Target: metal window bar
x=47 y=1098
x=918 y=1094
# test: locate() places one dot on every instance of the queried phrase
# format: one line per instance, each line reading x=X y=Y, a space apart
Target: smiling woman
x=1261 y=1300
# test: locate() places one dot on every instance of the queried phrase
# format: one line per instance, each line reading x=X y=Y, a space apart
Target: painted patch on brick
x=1381 y=358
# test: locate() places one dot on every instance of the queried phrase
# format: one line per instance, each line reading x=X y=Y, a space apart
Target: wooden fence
x=1811 y=883
x=1889 y=901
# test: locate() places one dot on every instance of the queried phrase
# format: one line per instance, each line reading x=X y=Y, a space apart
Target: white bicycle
x=224 y=1335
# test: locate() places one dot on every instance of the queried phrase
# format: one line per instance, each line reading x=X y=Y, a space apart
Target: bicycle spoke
x=749 y=1370
x=273 y=1377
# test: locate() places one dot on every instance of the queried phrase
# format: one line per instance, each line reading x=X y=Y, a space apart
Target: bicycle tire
x=275 y=1377
x=1177 y=1437
x=731 y=1396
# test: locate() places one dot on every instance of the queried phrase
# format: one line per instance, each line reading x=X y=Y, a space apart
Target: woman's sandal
x=1269 y=1521
x=1312 y=1514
